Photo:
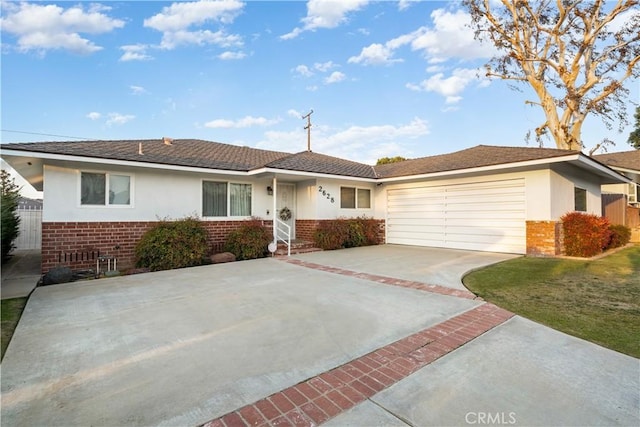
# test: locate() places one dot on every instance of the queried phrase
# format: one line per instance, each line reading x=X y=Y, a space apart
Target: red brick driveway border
x=442 y=290
x=320 y=398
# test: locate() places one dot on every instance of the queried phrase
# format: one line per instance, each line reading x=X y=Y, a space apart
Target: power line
x=48 y=134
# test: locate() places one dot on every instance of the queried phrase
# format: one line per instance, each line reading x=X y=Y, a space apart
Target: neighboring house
x=626 y=163
x=101 y=196
x=29 y=204
x=621 y=202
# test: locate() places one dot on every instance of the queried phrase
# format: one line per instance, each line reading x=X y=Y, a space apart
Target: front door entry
x=287 y=199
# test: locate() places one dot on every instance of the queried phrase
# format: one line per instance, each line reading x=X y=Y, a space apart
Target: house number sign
x=325 y=193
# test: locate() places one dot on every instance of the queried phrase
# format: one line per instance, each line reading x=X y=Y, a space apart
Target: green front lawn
x=11 y=310
x=597 y=300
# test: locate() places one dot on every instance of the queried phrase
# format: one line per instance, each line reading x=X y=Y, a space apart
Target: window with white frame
x=225 y=199
x=580 y=199
x=105 y=189
x=355 y=198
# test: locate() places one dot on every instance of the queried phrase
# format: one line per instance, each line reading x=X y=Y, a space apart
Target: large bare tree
x=575 y=55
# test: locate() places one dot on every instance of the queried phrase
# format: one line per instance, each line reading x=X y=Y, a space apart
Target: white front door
x=286 y=198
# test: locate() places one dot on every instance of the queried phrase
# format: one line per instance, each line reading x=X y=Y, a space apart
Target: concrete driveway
x=367 y=336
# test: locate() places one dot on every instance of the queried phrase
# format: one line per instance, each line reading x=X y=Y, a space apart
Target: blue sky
x=383 y=78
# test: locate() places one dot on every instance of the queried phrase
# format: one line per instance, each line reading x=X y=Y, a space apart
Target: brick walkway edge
x=327 y=395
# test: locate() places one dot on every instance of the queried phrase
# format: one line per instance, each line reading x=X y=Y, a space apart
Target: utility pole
x=308 y=128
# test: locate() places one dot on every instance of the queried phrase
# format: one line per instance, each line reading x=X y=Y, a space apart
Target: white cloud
x=118 y=119
x=404 y=4
x=434 y=68
x=359 y=143
x=451 y=87
x=137 y=90
x=171 y=40
x=135 y=52
x=294 y=113
x=94 y=115
x=312 y=88
x=176 y=20
x=303 y=70
x=47 y=27
x=451 y=37
x=374 y=54
x=228 y=55
x=325 y=14
x=335 y=77
x=182 y=15
x=244 y=122
x=324 y=66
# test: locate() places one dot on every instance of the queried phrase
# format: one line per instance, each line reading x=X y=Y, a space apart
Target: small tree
x=387 y=160
x=10 y=218
x=634 y=136
x=575 y=55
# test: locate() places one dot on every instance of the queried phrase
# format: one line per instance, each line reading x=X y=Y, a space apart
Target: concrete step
x=297 y=247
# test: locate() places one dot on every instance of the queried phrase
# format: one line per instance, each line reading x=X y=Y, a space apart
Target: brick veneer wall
x=306 y=227
x=77 y=244
x=544 y=238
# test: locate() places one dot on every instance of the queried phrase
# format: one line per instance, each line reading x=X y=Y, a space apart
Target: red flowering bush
x=585 y=235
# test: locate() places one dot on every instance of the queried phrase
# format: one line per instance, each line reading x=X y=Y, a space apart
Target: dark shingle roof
x=625 y=159
x=215 y=155
x=479 y=156
x=182 y=152
x=307 y=161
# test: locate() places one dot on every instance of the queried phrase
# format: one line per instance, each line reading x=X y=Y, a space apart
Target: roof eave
x=578 y=158
x=290 y=172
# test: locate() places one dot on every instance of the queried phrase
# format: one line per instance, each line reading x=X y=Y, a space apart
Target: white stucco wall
x=155 y=195
x=306 y=199
x=563 y=181
x=328 y=209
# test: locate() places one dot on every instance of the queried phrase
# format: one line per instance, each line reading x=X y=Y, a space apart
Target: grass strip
x=596 y=300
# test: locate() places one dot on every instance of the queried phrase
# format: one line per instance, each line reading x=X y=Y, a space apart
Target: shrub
x=331 y=235
x=10 y=219
x=173 y=244
x=620 y=236
x=250 y=241
x=585 y=235
x=346 y=233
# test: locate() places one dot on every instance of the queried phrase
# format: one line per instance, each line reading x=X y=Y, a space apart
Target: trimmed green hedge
x=173 y=244
x=347 y=233
x=250 y=241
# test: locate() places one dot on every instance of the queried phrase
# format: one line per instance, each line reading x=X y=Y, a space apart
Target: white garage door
x=485 y=216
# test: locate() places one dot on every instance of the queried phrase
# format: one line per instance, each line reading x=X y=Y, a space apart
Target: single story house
x=103 y=195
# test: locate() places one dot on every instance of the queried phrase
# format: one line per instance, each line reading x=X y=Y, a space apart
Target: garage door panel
x=417 y=208
x=416 y=222
x=510 y=223
x=485 y=230
x=408 y=230
x=475 y=216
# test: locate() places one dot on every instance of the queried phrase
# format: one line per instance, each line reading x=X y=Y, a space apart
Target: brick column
x=544 y=238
